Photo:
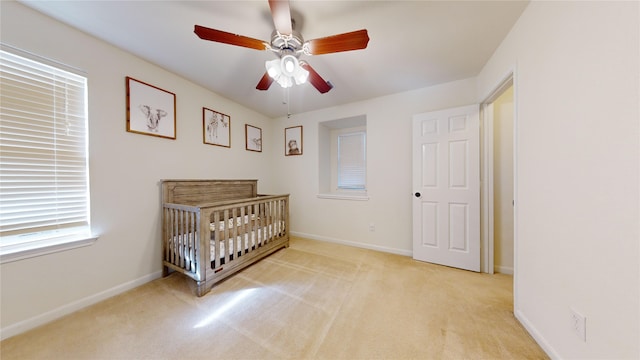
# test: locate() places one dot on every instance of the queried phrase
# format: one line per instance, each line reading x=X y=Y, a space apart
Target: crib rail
x=181 y=238
x=240 y=228
x=216 y=235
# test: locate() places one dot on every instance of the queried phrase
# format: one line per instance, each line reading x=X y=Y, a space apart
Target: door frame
x=486 y=174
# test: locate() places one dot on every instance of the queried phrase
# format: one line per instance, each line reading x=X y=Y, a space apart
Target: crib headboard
x=195 y=192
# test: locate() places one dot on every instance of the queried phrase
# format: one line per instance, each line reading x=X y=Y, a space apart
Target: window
x=44 y=192
x=352 y=161
x=343 y=158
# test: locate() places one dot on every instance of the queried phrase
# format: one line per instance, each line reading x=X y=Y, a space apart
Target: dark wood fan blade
x=281 y=16
x=265 y=82
x=354 y=40
x=229 y=38
x=316 y=80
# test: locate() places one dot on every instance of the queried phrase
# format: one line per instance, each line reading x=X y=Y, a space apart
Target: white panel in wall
x=459 y=227
x=458 y=164
x=430 y=165
x=430 y=224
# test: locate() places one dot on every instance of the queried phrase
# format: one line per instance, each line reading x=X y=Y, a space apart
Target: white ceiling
x=413 y=44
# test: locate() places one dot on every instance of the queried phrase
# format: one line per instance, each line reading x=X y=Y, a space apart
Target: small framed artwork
x=293 y=141
x=253 y=138
x=216 y=128
x=150 y=110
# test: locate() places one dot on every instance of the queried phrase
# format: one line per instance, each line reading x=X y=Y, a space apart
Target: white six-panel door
x=446 y=185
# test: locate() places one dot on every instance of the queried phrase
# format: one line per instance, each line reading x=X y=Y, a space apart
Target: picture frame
x=293 y=140
x=150 y=110
x=216 y=128
x=253 y=138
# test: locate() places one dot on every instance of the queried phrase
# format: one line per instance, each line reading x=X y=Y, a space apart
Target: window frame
x=328 y=132
x=27 y=244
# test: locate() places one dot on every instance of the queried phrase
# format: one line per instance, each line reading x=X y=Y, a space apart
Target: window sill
x=10 y=253
x=354 y=197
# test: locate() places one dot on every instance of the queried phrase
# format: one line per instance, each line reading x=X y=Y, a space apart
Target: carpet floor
x=313 y=300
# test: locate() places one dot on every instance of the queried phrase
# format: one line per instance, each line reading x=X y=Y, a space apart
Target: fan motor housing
x=291 y=42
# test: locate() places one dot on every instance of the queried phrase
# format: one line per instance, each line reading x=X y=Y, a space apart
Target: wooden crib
x=212 y=229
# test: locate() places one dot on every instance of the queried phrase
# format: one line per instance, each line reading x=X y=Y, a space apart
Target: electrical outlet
x=579 y=325
x=372 y=227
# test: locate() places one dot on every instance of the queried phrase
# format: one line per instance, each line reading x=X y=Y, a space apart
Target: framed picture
x=150 y=110
x=253 y=138
x=293 y=141
x=216 y=128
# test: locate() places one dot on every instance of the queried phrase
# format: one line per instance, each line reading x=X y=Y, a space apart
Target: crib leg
x=201 y=288
x=165 y=271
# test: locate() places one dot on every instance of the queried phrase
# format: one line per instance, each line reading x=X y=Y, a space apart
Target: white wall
x=577 y=173
x=503 y=182
x=125 y=173
x=388 y=169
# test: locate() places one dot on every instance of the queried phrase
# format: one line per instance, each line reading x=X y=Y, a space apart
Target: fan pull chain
x=286 y=100
x=288 y=105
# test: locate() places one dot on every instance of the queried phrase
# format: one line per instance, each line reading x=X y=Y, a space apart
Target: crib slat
x=256 y=228
x=192 y=241
x=217 y=241
x=188 y=231
x=274 y=224
x=175 y=239
x=178 y=238
x=280 y=213
x=263 y=225
x=267 y=228
x=281 y=209
x=201 y=260
x=258 y=224
x=242 y=234
x=234 y=232
x=196 y=237
x=171 y=236
x=247 y=229
x=274 y=217
x=225 y=237
x=183 y=239
x=167 y=232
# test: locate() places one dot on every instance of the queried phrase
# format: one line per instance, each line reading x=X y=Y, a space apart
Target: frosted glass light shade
x=286 y=71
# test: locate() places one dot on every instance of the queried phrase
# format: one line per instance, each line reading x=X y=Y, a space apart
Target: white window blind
x=44 y=183
x=352 y=161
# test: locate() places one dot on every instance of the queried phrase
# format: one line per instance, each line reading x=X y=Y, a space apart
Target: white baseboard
x=503 y=269
x=54 y=314
x=354 y=244
x=544 y=344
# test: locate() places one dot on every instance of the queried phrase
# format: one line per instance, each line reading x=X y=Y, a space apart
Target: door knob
x=417 y=194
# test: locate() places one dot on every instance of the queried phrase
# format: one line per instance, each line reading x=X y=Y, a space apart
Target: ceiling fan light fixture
x=301 y=75
x=286 y=71
x=289 y=64
x=273 y=68
x=285 y=81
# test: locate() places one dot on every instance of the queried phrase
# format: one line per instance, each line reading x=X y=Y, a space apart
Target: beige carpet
x=314 y=300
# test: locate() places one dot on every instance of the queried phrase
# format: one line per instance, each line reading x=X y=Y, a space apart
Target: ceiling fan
x=288 y=44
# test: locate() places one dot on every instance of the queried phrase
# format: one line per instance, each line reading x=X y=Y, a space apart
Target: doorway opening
x=498 y=180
